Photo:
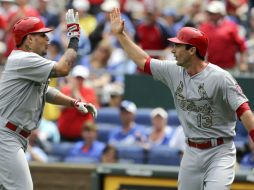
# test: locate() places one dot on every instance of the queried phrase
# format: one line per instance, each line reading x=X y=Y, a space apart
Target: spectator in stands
x=178 y=140
x=248 y=159
x=49 y=18
x=35 y=148
x=88 y=146
x=169 y=16
x=103 y=28
x=130 y=132
x=250 y=38
x=48 y=132
x=87 y=21
x=52 y=112
x=71 y=120
x=109 y=154
x=113 y=95
x=151 y=34
x=237 y=10
x=95 y=6
x=160 y=133
x=224 y=37
x=97 y=63
x=24 y=9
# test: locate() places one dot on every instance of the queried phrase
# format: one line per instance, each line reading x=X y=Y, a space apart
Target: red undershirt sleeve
x=242 y=108
x=147 y=68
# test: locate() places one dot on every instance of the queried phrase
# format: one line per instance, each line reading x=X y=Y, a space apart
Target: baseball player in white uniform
x=208 y=101
x=24 y=91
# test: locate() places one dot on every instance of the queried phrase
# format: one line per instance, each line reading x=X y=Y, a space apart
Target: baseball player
x=24 y=91
x=208 y=101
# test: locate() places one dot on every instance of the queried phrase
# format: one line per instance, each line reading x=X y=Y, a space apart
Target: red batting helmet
x=192 y=36
x=28 y=25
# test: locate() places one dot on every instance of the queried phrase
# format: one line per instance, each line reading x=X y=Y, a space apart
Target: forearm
x=62 y=99
x=133 y=51
x=247 y=119
x=65 y=64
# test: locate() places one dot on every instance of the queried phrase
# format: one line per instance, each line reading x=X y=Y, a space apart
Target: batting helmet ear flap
x=28 y=25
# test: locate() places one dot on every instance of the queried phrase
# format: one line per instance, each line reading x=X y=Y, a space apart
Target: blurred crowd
x=98 y=75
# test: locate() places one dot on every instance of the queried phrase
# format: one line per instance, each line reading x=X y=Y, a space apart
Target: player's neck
x=197 y=67
x=23 y=49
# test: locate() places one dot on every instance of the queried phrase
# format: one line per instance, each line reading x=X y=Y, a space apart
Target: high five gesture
x=117 y=24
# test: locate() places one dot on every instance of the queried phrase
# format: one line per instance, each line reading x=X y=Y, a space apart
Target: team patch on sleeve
x=239 y=89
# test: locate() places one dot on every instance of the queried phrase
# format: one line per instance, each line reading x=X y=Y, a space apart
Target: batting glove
x=72 y=24
x=85 y=107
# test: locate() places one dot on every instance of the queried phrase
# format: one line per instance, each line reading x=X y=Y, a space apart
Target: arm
x=64 y=65
x=243 y=66
x=134 y=52
x=246 y=116
x=62 y=99
x=247 y=119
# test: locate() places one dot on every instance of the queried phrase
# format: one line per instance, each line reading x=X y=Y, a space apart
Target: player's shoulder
x=219 y=73
x=215 y=69
x=23 y=55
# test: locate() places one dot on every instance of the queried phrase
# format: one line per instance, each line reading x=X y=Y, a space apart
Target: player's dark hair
x=21 y=43
x=188 y=46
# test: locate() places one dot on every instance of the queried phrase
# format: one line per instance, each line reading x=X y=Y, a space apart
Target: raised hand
x=72 y=24
x=117 y=24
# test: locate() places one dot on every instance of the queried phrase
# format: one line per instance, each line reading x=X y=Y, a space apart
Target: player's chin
x=44 y=53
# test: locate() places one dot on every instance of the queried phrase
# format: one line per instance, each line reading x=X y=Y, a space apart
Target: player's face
x=40 y=43
x=182 y=55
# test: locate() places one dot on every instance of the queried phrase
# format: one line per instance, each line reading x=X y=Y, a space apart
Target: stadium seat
x=53 y=159
x=104 y=130
x=59 y=150
x=108 y=115
x=241 y=138
x=111 y=115
x=163 y=155
x=143 y=116
x=173 y=119
x=130 y=154
x=80 y=160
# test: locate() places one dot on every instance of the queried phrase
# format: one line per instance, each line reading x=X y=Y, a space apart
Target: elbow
x=65 y=71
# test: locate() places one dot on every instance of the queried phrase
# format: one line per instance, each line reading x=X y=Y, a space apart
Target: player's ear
x=29 y=39
x=193 y=50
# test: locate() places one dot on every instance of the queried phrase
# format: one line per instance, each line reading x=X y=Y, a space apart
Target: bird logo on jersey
x=201 y=105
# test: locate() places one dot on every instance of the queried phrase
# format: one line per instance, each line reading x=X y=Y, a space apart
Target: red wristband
x=251 y=133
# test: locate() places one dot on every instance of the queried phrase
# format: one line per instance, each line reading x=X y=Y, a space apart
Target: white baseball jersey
x=23 y=88
x=206 y=103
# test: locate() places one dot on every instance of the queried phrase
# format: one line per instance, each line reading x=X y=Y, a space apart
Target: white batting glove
x=72 y=24
x=85 y=107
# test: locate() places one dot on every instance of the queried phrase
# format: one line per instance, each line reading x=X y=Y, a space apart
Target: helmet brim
x=43 y=30
x=176 y=40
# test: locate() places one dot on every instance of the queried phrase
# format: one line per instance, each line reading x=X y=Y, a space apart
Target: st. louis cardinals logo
x=201 y=105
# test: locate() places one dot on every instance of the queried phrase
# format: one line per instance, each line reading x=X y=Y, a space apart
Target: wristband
x=74 y=102
x=251 y=134
x=73 y=44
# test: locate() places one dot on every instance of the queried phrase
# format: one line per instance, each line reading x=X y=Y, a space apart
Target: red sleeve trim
x=251 y=134
x=147 y=68
x=242 y=108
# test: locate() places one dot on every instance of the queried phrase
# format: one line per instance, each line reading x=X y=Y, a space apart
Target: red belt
x=206 y=144
x=14 y=128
